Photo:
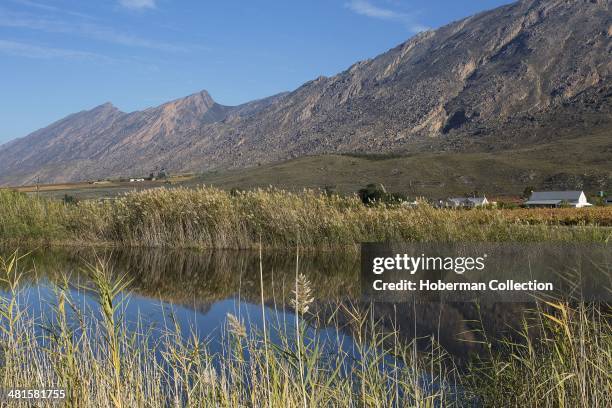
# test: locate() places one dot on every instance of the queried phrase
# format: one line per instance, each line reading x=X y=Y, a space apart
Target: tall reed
x=211 y=218
x=568 y=365
x=76 y=352
x=102 y=360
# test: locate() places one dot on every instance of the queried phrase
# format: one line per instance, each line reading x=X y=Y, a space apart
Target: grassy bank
x=102 y=363
x=213 y=218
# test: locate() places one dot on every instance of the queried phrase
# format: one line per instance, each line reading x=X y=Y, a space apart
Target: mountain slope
x=436 y=175
x=530 y=72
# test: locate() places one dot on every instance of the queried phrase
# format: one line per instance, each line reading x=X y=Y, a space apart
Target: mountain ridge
x=528 y=72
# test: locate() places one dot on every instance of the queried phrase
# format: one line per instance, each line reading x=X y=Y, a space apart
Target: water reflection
x=200 y=278
x=199 y=288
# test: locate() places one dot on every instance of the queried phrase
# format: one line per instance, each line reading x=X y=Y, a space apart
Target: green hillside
x=582 y=163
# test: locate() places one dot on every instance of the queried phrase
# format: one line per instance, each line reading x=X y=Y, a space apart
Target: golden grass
x=563 y=216
x=568 y=365
x=212 y=218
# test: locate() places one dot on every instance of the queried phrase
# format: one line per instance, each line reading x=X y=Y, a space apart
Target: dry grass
x=568 y=365
x=563 y=216
x=213 y=218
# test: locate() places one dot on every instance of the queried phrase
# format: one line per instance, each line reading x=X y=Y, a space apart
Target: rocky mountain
x=526 y=73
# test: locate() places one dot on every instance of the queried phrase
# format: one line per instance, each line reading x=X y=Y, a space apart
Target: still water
x=197 y=290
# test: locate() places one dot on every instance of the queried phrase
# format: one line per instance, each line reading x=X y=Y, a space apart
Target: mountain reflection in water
x=199 y=288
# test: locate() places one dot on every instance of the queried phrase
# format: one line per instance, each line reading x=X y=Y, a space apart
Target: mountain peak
x=482 y=83
x=194 y=105
x=203 y=93
x=200 y=97
x=105 y=107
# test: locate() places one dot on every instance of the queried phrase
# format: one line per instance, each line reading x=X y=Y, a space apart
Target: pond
x=198 y=289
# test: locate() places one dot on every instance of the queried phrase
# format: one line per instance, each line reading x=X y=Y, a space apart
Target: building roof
x=478 y=200
x=543 y=202
x=555 y=195
x=475 y=200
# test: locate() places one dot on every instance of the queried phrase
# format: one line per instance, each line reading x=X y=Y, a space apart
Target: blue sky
x=62 y=56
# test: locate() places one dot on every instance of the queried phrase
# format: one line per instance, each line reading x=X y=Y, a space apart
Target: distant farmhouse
x=553 y=199
x=466 y=202
x=608 y=201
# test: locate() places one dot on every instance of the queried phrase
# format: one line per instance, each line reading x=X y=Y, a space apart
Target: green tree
x=372 y=193
x=527 y=191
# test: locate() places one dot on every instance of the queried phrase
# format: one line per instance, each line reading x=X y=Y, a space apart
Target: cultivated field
x=98 y=189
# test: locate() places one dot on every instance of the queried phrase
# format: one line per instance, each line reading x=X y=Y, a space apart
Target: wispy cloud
x=137 y=4
x=84 y=29
x=21 y=49
x=49 y=8
x=365 y=8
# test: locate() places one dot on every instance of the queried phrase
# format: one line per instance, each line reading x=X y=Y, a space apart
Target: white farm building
x=575 y=199
x=467 y=202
